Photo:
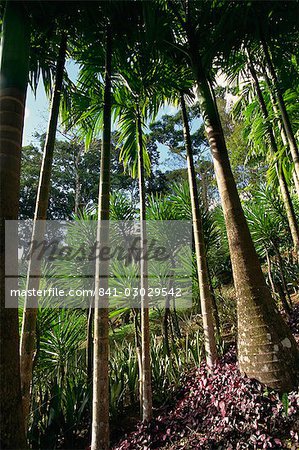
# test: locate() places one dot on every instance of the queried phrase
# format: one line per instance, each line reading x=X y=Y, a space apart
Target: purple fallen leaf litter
x=219 y=410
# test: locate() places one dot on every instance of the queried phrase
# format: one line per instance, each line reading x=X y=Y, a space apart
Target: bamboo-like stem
x=147 y=408
x=100 y=403
x=200 y=251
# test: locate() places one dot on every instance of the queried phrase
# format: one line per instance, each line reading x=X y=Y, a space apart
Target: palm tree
x=160 y=208
x=280 y=175
x=14 y=78
x=134 y=153
x=100 y=402
x=275 y=88
x=143 y=76
x=281 y=127
x=256 y=309
x=28 y=338
x=92 y=116
x=260 y=325
x=202 y=266
x=147 y=407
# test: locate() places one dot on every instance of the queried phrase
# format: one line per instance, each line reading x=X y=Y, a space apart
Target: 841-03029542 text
x=110 y=292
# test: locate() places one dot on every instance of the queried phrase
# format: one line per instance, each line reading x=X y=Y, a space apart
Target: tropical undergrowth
x=61 y=396
x=192 y=408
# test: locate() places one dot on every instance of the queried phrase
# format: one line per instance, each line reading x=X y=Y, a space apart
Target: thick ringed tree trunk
x=28 y=334
x=286 y=198
x=100 y=402
x=282 y=107
x=13 y=85
x=147 y=409
x=201 y=259
x=267 y=350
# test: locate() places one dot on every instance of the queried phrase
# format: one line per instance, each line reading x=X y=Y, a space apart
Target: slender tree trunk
x=139 y=361
x=296 y=182
x=204 y=184
x=215 y=307
x=266 y=348
x=283 y=280
x=282 y=107
x=200 y=251
x=167 y=313
x=166 y=324
x=283 y=136
x=89 y=349
x=13 y=86
x=171 y=328
x=286 y=198
x=175 y=321
x=147 y=408
x=280 y=127
x=270 y=272
x=282 y=297
x=291 y=216
x=100 y=405
x=138 y=353
x=77 y=181
x=28 y=334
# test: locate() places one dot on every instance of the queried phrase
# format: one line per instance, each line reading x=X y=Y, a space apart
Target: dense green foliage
x=235 y=63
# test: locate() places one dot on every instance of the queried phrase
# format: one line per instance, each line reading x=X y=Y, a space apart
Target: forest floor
x=222 y=410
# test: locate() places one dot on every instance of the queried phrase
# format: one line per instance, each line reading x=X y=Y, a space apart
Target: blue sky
x=37 y=108
x=36 y=112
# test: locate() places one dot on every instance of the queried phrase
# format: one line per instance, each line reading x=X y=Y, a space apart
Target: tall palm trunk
x=77 y=158
x=28 y=334
x=282 y=107
x=286 y=198
x=137 y=332
x=200 y=250
x=266 y=348
x=147 y=409
x=215 y=307
x=165 y=324
x=13 y=85
x=167 y=316
x=100 y=403
x=89 y=347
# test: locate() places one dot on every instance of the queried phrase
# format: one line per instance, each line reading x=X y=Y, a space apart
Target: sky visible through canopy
x=37 y=112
